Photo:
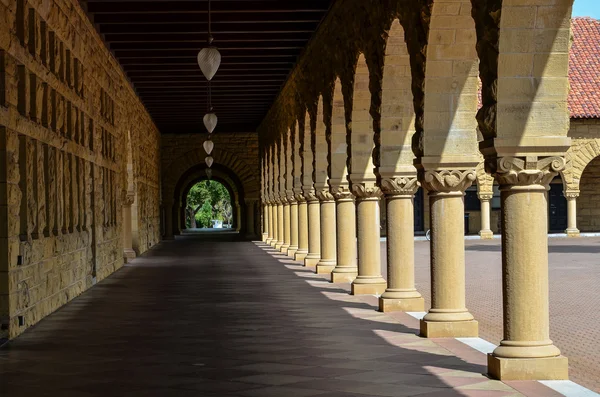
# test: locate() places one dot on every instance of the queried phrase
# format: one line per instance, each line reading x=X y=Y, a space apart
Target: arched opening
x=208 y=205
x=588 y=208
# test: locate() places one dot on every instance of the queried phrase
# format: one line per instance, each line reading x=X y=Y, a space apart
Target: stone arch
x=577 y=159
x=338 y=162
x=224 y=180
x=587 y=204
x=243 y=171
x=397 y=107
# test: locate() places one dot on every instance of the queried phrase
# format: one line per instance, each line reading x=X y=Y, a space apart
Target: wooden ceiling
x=157 y=43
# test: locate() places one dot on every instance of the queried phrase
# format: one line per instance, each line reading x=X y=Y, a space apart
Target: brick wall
x=65 y=112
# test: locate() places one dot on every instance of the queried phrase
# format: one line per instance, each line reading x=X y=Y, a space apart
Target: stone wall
x=65 y=112
x=588 y=203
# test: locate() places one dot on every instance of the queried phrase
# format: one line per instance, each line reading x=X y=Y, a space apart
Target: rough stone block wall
x=65 y=111
x=588 y=203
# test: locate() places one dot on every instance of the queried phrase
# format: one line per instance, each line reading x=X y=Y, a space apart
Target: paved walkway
x=220 y=318
x=574 y=269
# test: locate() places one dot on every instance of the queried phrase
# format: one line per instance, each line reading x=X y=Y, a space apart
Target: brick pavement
x=217 y=318
x=574 y=267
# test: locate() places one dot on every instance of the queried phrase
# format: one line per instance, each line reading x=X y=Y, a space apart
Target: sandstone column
x=275 y=217
x=485 y=232
x=293 y=248
x=128 y=252
x=345 y=270
x=572 y=230
x=265 y=222
x=526 y=351
x=328 y=251
x=286 y=227
x=302 y=229
x=280 y=227
x=400 y=293
x=314 y=231
x=448 y=316
x=369 y=279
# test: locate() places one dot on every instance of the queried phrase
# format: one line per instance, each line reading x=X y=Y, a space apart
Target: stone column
x=128 y=252
x=250 y=227
x=286 y=227
x=302 y=229
x=269 y=223
x=280 y=227
x=314 y=231
x=369 y=279
x=265 y=222
x=526 y=352
x=327 y=228
x=400 y=293
x=345 y=270
x=572 y=230
x=293 y=248
x=168 y=205
x=275 y=222
x=448 y=316
x=486 y=232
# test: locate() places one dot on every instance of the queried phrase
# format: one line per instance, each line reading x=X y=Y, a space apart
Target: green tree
x=207 y=200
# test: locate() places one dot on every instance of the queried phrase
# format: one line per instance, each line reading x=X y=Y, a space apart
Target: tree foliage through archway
x=207 y=201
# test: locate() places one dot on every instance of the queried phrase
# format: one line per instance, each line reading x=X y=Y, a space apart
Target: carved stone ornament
x=485 y=196
x=309 y=194
x=290 y=196
x=366 y=191
x=341 y=193
x=572 y=194
x=448 y=181
x=528 y=171
x=128 y=197
x=324 y=195
x=400 y=186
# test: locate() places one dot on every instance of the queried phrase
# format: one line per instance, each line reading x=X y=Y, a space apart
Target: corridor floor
x=217 y=317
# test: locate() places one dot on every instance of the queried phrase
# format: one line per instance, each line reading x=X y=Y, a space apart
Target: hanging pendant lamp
x=209 y=173
x=208 y=146
x=209 y=161
x=209 y=58
x=210 y=121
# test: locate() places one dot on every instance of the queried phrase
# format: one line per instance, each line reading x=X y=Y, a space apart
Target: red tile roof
x=584 y=69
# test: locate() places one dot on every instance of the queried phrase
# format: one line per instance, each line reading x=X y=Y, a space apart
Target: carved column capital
x=448 y=181
x=128 y=197
x=527 y=171
x=406 y=185
x=309 y=193
x=485 y=196
x=290 y=197
x=341 y=193
x=572 y=194
x=324 y=195
x=366 y=191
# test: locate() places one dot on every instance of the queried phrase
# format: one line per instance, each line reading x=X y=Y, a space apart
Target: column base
x=278 y=245
x=311 y=260
x=128 y=254
x=284 y=248
x=324 y=268
x=546 y=368
x=449 y=329
x=273 y=243
x=300 y=255
x=401 y=304
x=268 y=241
x=486 y=234
x=345 y=276
x=368 y=286
x=292 y=251
x=572 y=232
x=264 y=237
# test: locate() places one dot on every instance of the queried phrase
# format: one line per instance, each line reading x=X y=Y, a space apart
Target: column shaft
x=128 y=252
x=302 y=231
x=369 y=279
x=265 y=223
x=448 y=316
x=486 y=231
x=401 y=293
x=328 y=252
x=275 y=221
x=280 y=227
x=314 y=234
x=345 y=270
x=293 y=229
x=286 y=228
x=572 y=230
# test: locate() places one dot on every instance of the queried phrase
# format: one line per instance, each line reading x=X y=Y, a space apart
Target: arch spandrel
x=361 y=126
x=451 y=81
x=308 y=160
x=397 y=109
x=321 y=148
x=339 y=139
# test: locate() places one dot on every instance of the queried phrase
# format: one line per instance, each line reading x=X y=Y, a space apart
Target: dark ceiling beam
x=271 y=61
x=198 y=18
x=228 y=27
x=282 y=37
x=197 y=45
x=193 y=67
x=193 y=53
x=201 y=7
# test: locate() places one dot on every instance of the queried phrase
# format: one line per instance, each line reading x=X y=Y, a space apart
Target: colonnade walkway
x=219 y=317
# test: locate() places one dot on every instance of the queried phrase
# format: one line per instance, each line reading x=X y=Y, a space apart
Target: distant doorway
x=208 y=206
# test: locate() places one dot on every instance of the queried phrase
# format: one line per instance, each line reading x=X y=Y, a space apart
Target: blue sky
x=586 y=8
